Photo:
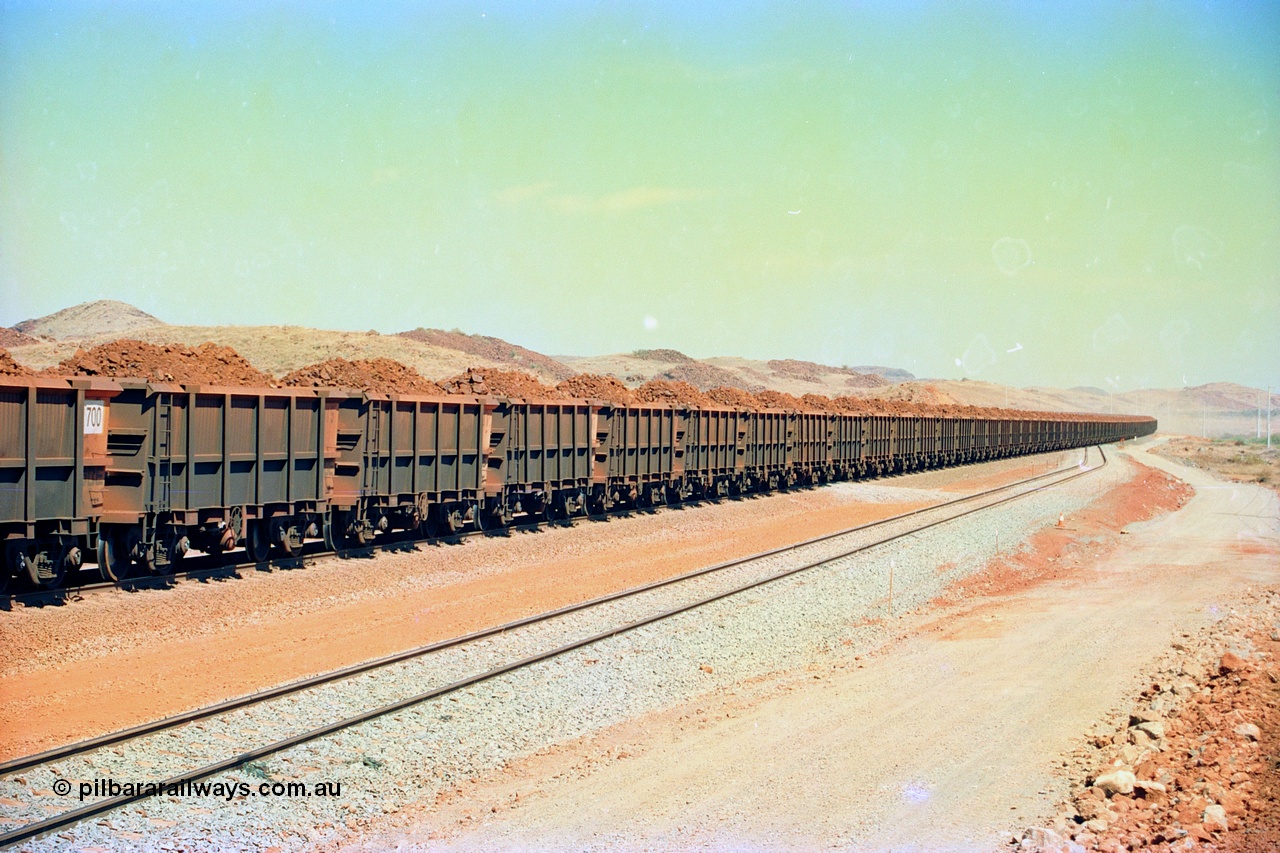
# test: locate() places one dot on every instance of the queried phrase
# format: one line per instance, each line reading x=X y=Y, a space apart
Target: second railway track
x=220 y=738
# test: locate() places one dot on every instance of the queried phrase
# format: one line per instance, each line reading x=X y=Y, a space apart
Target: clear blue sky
x=1083 y=194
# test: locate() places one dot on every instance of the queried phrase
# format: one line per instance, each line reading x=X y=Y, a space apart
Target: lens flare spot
x=1011 y=255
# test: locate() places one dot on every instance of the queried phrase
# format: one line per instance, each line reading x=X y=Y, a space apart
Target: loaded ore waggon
x=133 y=475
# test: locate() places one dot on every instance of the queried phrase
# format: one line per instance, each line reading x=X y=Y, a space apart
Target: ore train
x=134 y=474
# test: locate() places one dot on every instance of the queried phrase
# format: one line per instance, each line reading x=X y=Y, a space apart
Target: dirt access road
x=947 y=740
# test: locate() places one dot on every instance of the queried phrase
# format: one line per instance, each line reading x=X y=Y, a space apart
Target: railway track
x=228 y=566
x=280 y=718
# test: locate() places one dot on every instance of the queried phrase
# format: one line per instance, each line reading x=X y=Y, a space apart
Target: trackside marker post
x=892 y=563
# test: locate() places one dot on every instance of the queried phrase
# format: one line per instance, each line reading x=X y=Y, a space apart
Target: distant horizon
x=1066 y=194
x=124 y=334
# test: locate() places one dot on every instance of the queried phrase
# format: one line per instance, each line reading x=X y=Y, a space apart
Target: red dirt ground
x=979 y=482
x=1056 y=553
x=81 y=698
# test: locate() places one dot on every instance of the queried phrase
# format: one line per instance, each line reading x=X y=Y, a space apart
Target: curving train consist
x=135 y=474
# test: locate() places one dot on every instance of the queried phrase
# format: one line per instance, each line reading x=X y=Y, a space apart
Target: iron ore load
x=135 y=473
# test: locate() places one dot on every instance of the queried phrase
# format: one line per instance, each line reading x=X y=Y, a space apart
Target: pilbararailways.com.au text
x=102 y=788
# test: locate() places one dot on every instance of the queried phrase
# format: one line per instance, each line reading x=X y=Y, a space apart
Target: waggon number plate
x=93 y=417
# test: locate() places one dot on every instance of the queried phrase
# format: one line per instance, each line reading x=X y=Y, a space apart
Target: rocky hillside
x=1215 y=409
x=789 y=376
x=278 y=349
x=88 y=320
x=493 y=350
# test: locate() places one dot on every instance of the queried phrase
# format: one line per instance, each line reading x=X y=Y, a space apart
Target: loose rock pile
x=671 y=393
x=592 y=386
x=808 y=371
x=383 y=375
x=866 y=380
x=818 y=403
x=701 y=375
x=207 y=364
x=779 y=400
x=504 y=383
x=1192 y=767
x=728 y=396
x=210 y=364
x=14 y=338
x=9 y=367
x=671 y=355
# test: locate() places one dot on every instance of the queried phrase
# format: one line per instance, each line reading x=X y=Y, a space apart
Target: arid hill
x=493 y=350
x=1214 y=409
x=88 y=320
x=789 y=376
x=279 y=350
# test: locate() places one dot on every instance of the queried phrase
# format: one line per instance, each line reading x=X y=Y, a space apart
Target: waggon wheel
x=558 y=509
x=113 y=564
x=19 y=565
x=349 y=530
x=411 y=519
x=259 y=542
x=126 y=555
x=286 y=537
x=53 y=562
x=176 y=544
x=131 y=549
x=443 y=520
x=6 y=576
x=145 y=556
x=216 y=553
x=326 y=531
x=538 y=511
x=488 y=521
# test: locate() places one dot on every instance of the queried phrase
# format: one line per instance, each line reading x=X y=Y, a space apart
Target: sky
x=1035 y=194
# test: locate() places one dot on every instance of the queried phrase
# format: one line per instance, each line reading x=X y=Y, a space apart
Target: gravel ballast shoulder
x=418 y=753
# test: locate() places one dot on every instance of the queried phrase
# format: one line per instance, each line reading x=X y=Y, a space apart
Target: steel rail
x=74 y=816
x=227 y=570
x=87 y=745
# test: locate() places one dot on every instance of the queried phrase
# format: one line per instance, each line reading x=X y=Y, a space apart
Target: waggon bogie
x=42 y=562
x=444 y=520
